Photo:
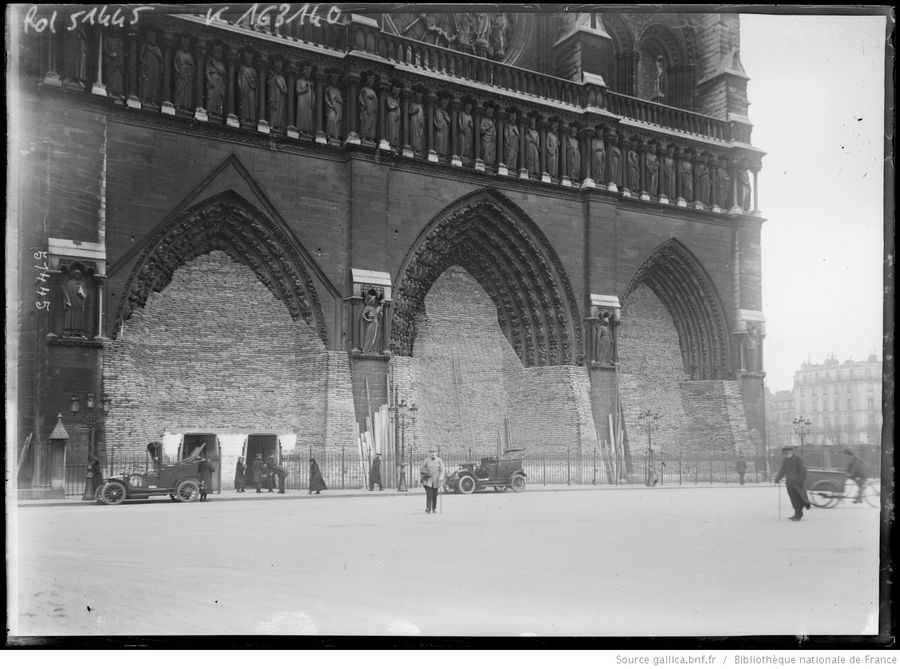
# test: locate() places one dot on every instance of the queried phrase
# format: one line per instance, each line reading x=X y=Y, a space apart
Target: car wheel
x=112 y=493
x=188 y=491
x=518 y=483
x=824 y=494
x=466 y=484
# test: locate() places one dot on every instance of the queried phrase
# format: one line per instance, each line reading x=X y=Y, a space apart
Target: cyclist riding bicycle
x=858 y=471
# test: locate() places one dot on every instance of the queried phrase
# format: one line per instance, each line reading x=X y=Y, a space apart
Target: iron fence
x=346 y=470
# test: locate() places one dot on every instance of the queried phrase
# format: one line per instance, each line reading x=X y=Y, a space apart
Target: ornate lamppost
x=648 y=422
x=413 y=414
x=400 y=412
x=802 y=426
x=93 y=417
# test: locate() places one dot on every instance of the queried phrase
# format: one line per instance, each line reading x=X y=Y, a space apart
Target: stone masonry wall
x=466 y=379
x=697 y=417
x=216 y=350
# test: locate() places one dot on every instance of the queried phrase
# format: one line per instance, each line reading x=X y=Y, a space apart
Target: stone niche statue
x=752 y=343
x=370 y=321
x=113 y=64
x=441 y=128
x=743 y=187
x=687 y=180
x=416 y=115
x=277 y=90
x=633 y=168
x=305 y=92
x=151 y=69
x=723 y=185
x=702 y=180
x=651 y=163
x=551 y=151
x=334 y=107
x=668 y=173
x=393 y=111
x=511 y=143
x=598 y=158
x=215 y=82
x=368 y=109
x=615 y=159
x=466 y=125
x=184 y=74
x=75 y=302
x=602 y=348
x=573 y=156
x=488 y=136
x=532 y=148
x=247 y=83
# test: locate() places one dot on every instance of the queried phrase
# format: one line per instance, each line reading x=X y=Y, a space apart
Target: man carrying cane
x=793 y=471
x=432 y=475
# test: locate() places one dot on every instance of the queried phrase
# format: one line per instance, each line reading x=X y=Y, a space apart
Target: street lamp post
x=93 y=417
x=648 y=422
x=402 y=409
x=802 y=428
x=413 y=414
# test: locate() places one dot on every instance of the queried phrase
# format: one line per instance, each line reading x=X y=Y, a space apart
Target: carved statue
x=247 y=83
x=334 y=107
x=113 y=64
x=482 y=34
x=687 y=180
x=76 y=60
x=184 y=75
x=573 y=157
x=658 y=85
x=151 y=69
x=277 y=90
x=604 y=342
x=743 y=188
x=371 y=322
x=441 y=128
x=215 y=82
x=416 y=122
x=485 y=34
x=598 y=158
x=488 y=137
x=532 y=148
x=499 y=24
x=651 y=163
x=668 y=173
x=465 y=127
x=723 y=186
x=368 y=109
x=306 y=100
x=751 y=349
x=633 y=167
x=74 y=304
x=615 y=159
x=392 y=106
x=551 y=151
x=511 y=143
x=702 y=181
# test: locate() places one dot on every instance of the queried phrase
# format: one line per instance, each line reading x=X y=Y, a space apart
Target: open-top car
x=498 y=473
x=179 y=481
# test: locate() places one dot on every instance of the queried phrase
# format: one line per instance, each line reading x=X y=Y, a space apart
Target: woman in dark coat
x=256 y=472
x=204 y=471
x=375 y=473
x=239 y=471
x=316 y=482
x=96 y=476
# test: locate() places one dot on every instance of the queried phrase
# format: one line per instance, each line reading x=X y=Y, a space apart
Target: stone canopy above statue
x=499 y=36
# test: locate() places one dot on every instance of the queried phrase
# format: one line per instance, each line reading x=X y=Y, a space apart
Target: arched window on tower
x=664 y=74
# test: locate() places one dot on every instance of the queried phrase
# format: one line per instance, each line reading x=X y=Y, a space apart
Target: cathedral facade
x=274 y=237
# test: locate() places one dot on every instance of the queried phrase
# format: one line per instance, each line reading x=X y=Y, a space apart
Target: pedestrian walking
x=858 y=471
x=205 y=470
x=239 y=472
x=316 y=482
x=281 y=475
x=270 y=473
x=96 y=477
x=375 y=473
x=741 y=468
x=256 y=471
x=432 y=476
x=793 y=471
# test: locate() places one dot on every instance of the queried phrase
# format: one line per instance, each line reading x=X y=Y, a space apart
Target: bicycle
x=825 y=489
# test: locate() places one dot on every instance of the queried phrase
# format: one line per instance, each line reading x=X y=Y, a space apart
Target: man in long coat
x=316 y=481
x=432 y=474
x=375 y=473
x=256 y=471
x=793 y=471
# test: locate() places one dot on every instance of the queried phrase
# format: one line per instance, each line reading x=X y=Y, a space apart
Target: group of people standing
x=265 y=473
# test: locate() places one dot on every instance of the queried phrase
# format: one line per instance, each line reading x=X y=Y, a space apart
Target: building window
x=827 y=405
x=815 y=391
x=849 y=402
x=824 y=390
x=870 y=387
x=871 y=402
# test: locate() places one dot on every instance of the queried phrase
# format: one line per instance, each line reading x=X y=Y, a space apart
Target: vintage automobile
x=497 y=473
x=179 y=481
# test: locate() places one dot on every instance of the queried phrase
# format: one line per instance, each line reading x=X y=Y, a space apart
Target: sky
x=816 y=95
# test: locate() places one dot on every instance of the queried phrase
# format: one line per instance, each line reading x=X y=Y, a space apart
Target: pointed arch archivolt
x=498 y=245
x=230 y=223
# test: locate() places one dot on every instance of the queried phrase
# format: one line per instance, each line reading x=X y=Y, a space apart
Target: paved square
x=581 y=561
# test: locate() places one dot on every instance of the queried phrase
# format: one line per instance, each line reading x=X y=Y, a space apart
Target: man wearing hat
x=793 y=471
x=857 y=470
x=257 y=467
x=432 y=475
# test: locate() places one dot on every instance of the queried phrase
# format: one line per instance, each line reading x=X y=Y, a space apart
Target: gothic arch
x=658 y=40
x=499 y=245
x=675 y=275
x=625 y=53
x=229 y=223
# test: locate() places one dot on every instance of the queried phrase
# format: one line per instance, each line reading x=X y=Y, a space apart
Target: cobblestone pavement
x=608 y=561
